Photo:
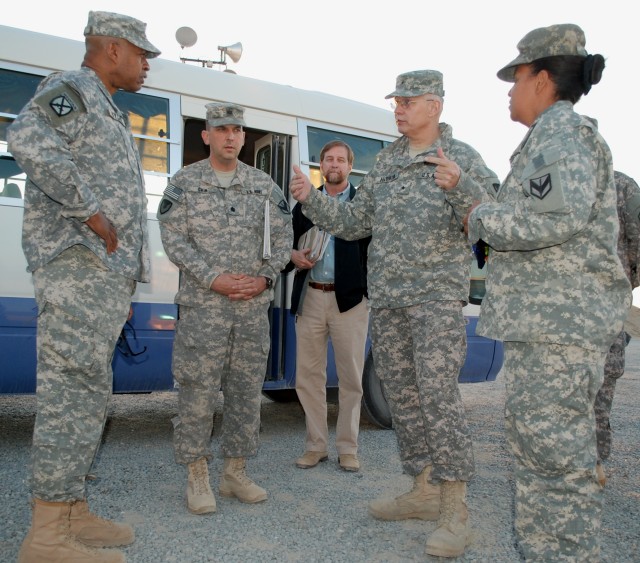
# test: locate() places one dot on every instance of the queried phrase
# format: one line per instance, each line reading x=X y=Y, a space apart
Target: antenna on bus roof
x=187 y=37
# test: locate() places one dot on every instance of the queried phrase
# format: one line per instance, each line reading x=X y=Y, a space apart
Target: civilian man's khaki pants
x=321 y=318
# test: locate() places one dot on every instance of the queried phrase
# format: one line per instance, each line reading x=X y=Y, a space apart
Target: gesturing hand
x=447 y=172
x=300 y=185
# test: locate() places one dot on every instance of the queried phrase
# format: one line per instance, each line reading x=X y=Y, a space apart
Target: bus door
x=272 y=155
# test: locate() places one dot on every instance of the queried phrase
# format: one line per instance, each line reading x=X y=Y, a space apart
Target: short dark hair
x=338 y=143
x=573 y=75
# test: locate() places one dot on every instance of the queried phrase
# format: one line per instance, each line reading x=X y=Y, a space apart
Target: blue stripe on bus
x=153 y=327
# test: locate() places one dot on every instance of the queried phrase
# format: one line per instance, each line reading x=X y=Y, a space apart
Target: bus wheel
x=374 y=403
x=281 y=395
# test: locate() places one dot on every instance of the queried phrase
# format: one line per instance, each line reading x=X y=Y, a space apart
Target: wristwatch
x=269 y=282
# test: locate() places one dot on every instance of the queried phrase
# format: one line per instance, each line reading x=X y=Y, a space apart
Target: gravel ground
x=316 y=515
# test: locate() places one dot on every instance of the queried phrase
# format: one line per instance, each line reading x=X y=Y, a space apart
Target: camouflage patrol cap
x=418 y=82
x=552 y=41
x=122 y=27
x=220 y=113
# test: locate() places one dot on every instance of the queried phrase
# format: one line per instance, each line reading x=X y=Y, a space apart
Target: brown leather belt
x=323 y=286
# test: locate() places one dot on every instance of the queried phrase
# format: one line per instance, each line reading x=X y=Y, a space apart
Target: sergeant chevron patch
x=540 y=187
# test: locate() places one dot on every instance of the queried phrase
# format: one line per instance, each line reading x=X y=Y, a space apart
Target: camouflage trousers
x=81 y=309
x=219 y=347
x=613 y=370
x=550 y=426
x=418 y=352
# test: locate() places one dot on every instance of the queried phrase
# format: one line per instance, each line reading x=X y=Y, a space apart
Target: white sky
x=354 y=49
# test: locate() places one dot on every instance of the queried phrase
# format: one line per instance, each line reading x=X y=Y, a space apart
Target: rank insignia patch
x=62 y=105
x=540 y=187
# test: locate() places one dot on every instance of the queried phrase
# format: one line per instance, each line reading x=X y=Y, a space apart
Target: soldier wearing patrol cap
x=85 y=239
x=416 y=82
x=557 y=293
x=227 y=226
x=628 y=202
x=412 y=204
x=107 y=24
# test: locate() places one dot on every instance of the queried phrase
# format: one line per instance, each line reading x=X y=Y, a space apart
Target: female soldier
x=556 y=292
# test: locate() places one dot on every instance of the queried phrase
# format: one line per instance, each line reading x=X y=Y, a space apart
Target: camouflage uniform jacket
x=418 y=252
x=628 y=194
x=208 y=230
x=553 y=272
x=77 y=150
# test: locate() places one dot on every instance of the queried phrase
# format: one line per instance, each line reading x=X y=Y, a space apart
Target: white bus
x=285 y=125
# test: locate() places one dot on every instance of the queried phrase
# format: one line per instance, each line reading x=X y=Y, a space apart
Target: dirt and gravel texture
x=314 y=515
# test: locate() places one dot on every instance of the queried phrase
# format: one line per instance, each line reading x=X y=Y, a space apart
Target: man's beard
x=335 y=178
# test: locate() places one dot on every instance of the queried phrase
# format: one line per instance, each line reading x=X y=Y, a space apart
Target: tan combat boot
x=49 y=539
x=235 y=483
x=94 y=531
x=452 y=534
x=423 y=501
x=200 y=499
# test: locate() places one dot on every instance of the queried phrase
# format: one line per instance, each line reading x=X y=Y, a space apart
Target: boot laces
x=448 y=505
x=242 y=477
x=201 y=479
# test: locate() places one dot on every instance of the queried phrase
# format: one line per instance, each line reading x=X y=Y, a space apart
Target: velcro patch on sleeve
x=171 y=195
x=61 y=104
x=174 y=192
x=284 y=207
x=165 y=206
x=542 y=183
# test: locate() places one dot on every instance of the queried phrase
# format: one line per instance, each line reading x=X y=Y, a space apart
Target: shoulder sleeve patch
x=284 y=207
x=174 y=192
x=61 y=104
x=165 y=206
x=172 y=195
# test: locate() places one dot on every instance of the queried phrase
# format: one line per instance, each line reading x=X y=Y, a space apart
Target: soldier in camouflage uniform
x=212 y=223
x=556 y=292
x=628 y=203
x=412 y=204
x=85 y=240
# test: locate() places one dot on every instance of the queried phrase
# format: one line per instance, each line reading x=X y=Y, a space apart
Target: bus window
x=149 y=119
x=263 y=158
x=16 y=89
x=272 y=157
x=12 y=179
x=364 y=150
